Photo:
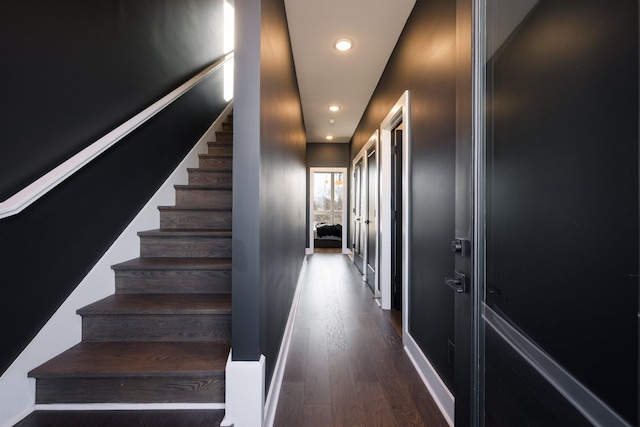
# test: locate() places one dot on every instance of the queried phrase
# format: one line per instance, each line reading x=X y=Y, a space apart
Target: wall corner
x=244 y=393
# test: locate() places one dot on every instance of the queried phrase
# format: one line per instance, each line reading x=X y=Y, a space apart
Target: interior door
x=461 y=281
x=358 y=221
x=370 y=221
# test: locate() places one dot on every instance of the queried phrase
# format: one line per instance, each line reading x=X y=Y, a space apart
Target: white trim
x=576 y=393
x=63 y=330
x=439 y=391
x=32 y=192
x=244 y=393
x=278 y=373
x=345 y=182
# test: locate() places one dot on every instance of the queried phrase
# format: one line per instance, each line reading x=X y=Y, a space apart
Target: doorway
x=327 y=209
x=396 y=215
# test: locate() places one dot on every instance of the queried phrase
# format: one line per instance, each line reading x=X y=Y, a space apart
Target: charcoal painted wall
x=72 y=71
x=563 y=250
x=563 y=202
x=269 y=193
x=323 y=155
x=424 y=62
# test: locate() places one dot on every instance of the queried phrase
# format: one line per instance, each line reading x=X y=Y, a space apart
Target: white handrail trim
x=32 y=192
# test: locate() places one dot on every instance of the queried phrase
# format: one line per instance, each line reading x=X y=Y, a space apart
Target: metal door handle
x=367 y=221
x=458 y=283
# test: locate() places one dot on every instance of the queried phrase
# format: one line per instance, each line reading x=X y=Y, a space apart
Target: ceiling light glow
x=334 y=108
x=332 y=121
x=329 y=137
x=343 y=45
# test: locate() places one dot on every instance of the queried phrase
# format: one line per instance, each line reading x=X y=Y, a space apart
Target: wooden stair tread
x=185 y=233
x=129 y=418
x=136 y=359
x=169 y=263
x=210 y=170
x=215 y=156
x=203 y=186
x=193 y=208
x=153 y=304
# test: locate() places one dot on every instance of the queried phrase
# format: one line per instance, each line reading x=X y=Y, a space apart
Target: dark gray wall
x=325 y=155
x=563 y=202
x=269 y=235
x=72 y=71
x=424 y=62
x=320 y=155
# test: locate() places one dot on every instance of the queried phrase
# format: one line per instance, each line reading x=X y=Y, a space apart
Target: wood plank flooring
x=346 y=365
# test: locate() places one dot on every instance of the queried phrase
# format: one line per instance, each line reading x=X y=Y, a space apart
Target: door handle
x=367 y=221
x=458 y=283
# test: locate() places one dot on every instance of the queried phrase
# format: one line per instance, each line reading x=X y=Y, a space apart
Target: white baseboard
x=63 y=329
x=439 y=391
x=278 y=374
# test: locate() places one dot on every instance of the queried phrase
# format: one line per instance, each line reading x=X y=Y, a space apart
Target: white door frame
x=345 y=182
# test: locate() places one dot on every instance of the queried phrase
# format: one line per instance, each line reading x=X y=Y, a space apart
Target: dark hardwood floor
x=346 y=365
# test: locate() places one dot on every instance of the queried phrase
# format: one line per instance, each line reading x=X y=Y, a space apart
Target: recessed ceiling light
x=334 y=108
x=343 y=45
x=329 y=137
x=332 y=121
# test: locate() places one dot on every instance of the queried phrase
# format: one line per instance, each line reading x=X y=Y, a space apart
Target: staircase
x=165 y=335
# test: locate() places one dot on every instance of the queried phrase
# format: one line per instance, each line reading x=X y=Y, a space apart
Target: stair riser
x=204 y=177
x=227 y=126
x=173 y=281
x=195 y=219
x=224 y=136
x=167 y=327
x=218 y=163
x=181 y=247
x=194 y=196
x=205 y=388
x=217 y=149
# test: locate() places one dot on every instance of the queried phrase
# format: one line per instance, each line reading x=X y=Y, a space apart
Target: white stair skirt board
x=439 y=391
x=244 y=393
x=273 y=396
x=63 y=330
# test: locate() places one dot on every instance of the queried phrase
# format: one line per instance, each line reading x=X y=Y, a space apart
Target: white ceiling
x=348 y=79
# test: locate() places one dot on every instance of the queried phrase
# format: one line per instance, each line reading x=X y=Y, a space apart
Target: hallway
x=346 y=364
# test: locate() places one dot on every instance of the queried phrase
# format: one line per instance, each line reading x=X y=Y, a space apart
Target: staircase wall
x=78 y=70
x=269 y=185
x=63 y=330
